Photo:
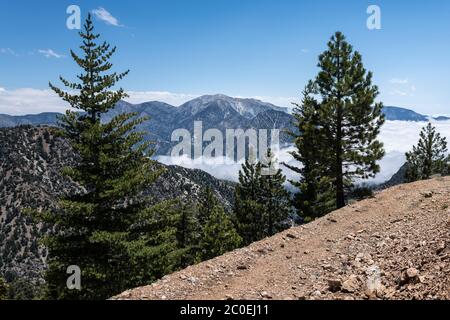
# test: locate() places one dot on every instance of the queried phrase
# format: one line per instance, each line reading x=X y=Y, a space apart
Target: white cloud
x=104 y=15
x=399 y=93
x=399 y=81
x=8 y=51
x=29 y=101
x=175 y=99
x=49 y=53
x=225 y=168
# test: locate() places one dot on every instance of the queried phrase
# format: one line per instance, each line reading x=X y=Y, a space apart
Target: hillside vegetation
x=31 y=160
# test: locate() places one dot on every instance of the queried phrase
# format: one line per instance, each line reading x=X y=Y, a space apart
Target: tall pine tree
x=428 y=157
x=262 y=204
x=188 y=234
x=108 y=229
x=315 y=196
x=348 y=118
x=248 y=209
x=274 y=196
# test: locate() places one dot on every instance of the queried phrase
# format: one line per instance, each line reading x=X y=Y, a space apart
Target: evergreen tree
x=428 y=157
x=274 y=196
x=315 y=196
x=261 y=202
x=348 y=116
x=219 y=235
x=108 y=230
x=207 y=203
x=188 y=235
x=248 y=210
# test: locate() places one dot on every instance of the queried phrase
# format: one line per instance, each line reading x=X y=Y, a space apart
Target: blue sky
x=179 y=49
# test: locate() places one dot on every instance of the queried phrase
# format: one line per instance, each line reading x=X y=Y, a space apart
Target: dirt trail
x=393 y=246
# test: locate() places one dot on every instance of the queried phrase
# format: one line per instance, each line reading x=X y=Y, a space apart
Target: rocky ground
x=393 y=246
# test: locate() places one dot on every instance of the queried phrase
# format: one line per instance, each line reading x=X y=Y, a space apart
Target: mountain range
x=215 y=111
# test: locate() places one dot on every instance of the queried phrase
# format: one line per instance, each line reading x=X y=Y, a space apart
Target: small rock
x=328 y=267
x=292 y=236
x=351 y=285
x=301 y=297
x=412 y=273
x=316 y=293
x=428 y=194
x=409 y=276
x=334 y=285
x=351 y=236
x=229 y=297
x=441 y=247
x=192 y=280
x=242 y=267
x=266 y=295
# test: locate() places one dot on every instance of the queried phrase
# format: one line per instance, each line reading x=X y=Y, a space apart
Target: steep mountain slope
x=394 y=246
x=30 y=162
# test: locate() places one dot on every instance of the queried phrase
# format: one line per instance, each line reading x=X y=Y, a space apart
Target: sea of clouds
x=398 y=137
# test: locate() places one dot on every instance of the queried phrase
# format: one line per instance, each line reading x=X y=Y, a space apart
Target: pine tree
x=274 y=196
x=262 y=204
x=428 y=157
x=108 y=230
x=188 y=235
x=248 y=210
x=219 y=235
x=348 y=115
x=207 y=202
x=315 y=196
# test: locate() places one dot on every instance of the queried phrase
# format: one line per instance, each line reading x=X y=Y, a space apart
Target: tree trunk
x=340 y=197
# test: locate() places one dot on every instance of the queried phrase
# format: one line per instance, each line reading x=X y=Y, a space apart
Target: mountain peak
x=246 y=107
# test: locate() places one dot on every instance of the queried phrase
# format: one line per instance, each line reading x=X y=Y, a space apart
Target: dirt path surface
x=393 y=246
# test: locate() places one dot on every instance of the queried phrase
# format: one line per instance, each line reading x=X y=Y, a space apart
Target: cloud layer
x=398 y=137
x=29 y=101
